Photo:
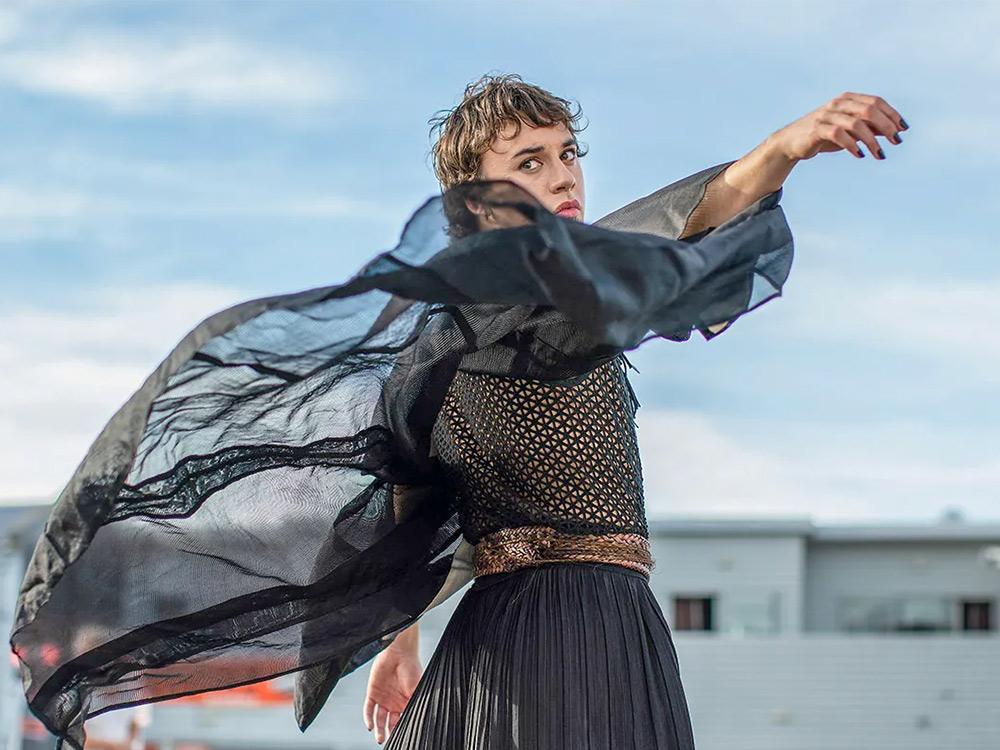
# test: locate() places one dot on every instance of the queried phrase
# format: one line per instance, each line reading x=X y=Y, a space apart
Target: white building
x=791 y=636
x=806 y=637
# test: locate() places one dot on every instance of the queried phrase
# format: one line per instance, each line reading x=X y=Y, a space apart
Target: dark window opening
x=693 y=613
x=977 y=615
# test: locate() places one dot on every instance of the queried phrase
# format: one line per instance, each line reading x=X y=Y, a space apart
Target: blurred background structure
x=160 y=161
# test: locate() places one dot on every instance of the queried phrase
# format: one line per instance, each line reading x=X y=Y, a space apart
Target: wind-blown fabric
x=268 y=500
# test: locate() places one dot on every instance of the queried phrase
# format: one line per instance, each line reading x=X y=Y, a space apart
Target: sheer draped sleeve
x=620 y=286
x=267 y=501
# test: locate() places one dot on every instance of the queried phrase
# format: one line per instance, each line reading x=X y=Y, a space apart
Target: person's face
x=543 y=161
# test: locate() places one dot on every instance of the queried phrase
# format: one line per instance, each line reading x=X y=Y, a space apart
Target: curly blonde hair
x=465 y=132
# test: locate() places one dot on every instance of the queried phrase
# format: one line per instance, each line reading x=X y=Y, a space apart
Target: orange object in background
x=269 y=693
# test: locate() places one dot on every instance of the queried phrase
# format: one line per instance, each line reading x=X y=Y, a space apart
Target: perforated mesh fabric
x=519 y=452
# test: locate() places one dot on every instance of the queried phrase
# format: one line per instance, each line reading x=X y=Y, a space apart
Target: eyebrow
x=538 y=149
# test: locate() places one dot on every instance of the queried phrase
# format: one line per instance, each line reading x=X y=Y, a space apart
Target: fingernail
x=902 y=122
x=861 y=154
x=880 y=153
x=897 y=139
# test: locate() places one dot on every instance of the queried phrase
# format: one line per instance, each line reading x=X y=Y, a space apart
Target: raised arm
x=836 y=126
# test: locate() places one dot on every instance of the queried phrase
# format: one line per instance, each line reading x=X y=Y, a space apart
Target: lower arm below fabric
x=407 y=641
x=459 y=575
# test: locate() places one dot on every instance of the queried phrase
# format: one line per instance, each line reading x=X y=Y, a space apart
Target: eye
x=526 y=162
x=571 y=153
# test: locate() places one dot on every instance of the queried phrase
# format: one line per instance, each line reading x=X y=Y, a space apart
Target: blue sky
x=159 y=161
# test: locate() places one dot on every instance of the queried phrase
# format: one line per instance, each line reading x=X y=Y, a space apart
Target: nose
x=562 y=179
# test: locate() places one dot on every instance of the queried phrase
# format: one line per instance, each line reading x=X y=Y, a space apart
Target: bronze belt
x=527 y=546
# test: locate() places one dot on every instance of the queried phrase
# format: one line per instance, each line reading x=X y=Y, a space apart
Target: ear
x=478 y=209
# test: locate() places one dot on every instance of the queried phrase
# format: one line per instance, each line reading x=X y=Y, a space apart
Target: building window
x=864 y=615
x=693 y=613
x=924 y=615
x=749 y=612
x=913 y=615
x=977 y=615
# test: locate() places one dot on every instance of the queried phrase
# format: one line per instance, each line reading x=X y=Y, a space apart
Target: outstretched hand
x=839 y=124
x=836 y=126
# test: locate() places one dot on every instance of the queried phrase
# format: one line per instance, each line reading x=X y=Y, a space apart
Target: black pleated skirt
x=564 y=655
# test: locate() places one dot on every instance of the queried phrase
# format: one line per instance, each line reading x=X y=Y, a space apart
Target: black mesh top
x=520 y=452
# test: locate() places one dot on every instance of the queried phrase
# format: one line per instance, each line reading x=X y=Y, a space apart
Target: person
x=501 y=669
x=305 y=475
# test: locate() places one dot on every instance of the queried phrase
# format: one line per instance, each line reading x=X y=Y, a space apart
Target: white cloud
x=30 y=212
x=691 y=466
x=46 y=213
x=10 y=24
x=328 y=206
x=63 y=374
x=698 y=465
x=954 y=322
x=17 y=203
x=136 y=74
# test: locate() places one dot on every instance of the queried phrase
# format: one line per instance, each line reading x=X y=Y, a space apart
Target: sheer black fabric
x=519 y=452
x=268 y=500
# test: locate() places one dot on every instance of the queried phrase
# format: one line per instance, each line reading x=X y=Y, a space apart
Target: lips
x=568 y=209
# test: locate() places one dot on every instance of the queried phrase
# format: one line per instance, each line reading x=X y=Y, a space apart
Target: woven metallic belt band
x=527 y=546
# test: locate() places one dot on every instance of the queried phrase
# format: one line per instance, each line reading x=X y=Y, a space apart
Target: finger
x=379 y=723
x=366 y=713
x=877 y=119
x=842 y=137
x=383 y=726
x=393 y=720
x=877 y=103
x=859 y=131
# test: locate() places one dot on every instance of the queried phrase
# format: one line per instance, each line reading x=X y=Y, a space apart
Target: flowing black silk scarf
x=267 y=501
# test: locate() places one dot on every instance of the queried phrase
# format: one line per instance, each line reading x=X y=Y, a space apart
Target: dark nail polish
x=880 y=154
x=903 y=124
x=897 y=139
x=861 y=154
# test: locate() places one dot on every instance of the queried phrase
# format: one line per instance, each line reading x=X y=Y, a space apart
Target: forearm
x=407 y=641
x=744 y=182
